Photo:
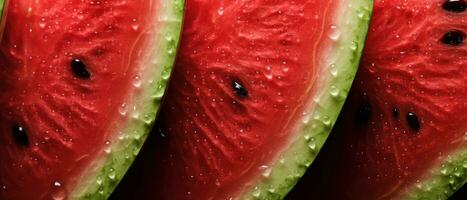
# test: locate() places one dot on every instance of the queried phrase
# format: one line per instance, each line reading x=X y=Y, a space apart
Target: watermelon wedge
x=81 y=82
x=255 y=92
x=403 y=133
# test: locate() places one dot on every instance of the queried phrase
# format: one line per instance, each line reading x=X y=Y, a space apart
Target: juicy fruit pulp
x=80 y=82
x=253 y=81
x=412 y=143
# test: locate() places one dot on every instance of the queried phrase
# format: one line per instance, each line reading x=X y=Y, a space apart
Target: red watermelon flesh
x=80 y=83
x=403 y=131
x=256 y=88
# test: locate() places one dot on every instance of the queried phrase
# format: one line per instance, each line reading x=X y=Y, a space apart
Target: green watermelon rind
x=103 y=177
x=443 y=180
x=353 y=22
x=3 y=11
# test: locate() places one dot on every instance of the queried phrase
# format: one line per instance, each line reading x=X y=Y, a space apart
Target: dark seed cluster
x=363 y=115
x=239 y=89
x=395 y=112
x=453 y=37
x=411 y=118
x=79 y=69
x=20 y=135
x=455 y=5
x=413 y=122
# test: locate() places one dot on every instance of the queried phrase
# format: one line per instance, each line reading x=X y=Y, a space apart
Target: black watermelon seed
x=239 y=89
x=455 y=5
x=453 y=37
x=80 y=69
x=413 y=121
x=363 y=114
x=20 y=135
x=395 y=112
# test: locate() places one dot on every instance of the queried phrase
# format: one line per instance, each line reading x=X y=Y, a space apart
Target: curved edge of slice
x=445 y=179
x=105 y=174
x=291 y=164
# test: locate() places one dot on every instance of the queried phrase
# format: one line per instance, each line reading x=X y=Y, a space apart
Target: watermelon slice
x=256 y=90
x=403 y=133
x=81 y=82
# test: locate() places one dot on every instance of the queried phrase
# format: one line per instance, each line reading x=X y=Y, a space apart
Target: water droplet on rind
x=334 y=91
x=334 y=33
x=256 y=193
x=108 y=149
x=137 y=135
x=360 y=15
x=148 y=119
x=444 y=170
x=353 y=46
x=333 y=70
x=326 y=121
x=159 y=93
x=305 y=118
x=166 y=72
x=135 y=151
x=111 y=174
x=265 y=170
x=312 y=145
x=101 y=190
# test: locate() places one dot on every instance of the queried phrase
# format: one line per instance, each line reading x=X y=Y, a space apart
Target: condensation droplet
x=99 y=181
x=326 y=121
x=220 y=11
x=333 y=70
x=312 y=145
x=137 y=81
x=305 y=118
x=111 y=174
x=334 y=91
x=265 y=170
x=108 y=150
x=123 y=109
x=256 y=192
x=334 y=33
x=353 y=46
x=57 y=184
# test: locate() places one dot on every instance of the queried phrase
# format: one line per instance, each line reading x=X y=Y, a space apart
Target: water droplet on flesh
x=265 y=170
x=123 y=109
x=334 y=33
